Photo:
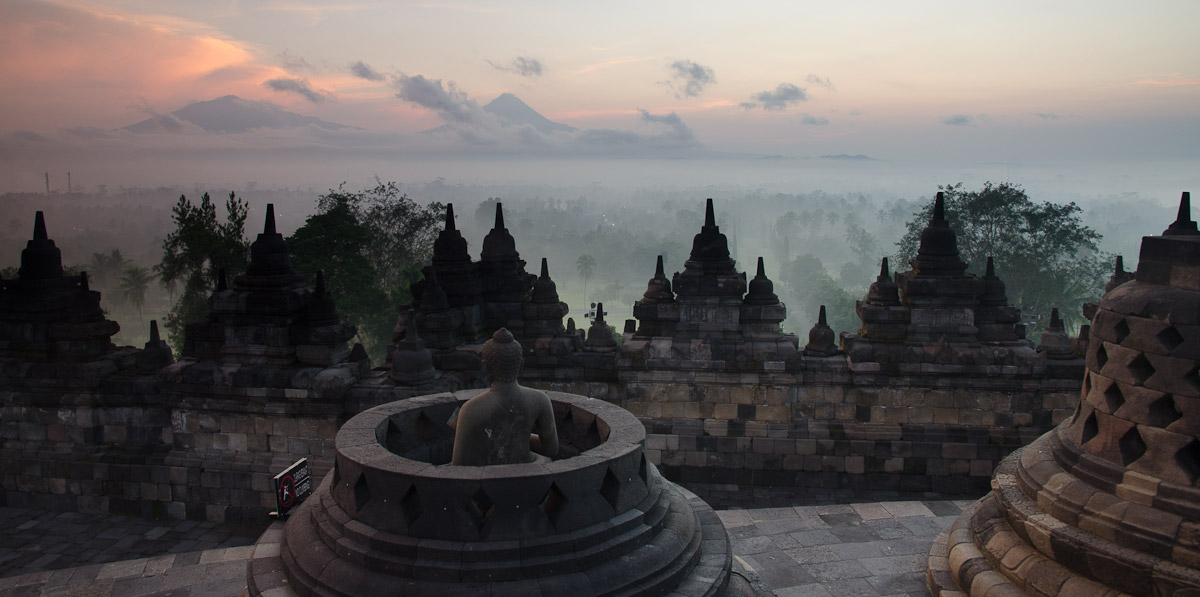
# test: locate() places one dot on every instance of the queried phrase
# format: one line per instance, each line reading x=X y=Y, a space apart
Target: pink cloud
x=67 y=66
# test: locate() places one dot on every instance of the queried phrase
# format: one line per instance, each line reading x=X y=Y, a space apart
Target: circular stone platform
x=393 y=516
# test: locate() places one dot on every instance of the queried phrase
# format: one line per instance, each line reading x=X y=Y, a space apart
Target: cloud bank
x=298 y=86
x=468 y=122
x=959 y=120
x=521 y=65
x=822 y=81
x=784 y=95
x=363 y=70
x=295 y=64
x=689 y=79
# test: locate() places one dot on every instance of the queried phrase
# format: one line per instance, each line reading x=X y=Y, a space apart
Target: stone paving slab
x=36 y=540
x=872 y=549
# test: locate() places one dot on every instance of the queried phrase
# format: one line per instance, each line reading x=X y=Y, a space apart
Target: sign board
x=292 y=486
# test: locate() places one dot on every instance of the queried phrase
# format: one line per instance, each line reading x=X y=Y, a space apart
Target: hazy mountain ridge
x=845 y=156
x=231 y=114
x=511 y=111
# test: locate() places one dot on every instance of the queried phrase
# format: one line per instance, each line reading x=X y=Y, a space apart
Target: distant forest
x=819 y=248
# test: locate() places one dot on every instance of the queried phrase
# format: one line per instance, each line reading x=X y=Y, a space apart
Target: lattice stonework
x=1109 y=502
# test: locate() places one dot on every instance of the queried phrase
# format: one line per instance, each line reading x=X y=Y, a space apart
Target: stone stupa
x=396 y=517
x=1108 y=502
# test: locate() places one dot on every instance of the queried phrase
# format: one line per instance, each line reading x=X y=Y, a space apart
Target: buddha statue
x=509 y=423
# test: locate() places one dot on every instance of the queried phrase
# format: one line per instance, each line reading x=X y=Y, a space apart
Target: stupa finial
x=39 y=226
x=1183 y=224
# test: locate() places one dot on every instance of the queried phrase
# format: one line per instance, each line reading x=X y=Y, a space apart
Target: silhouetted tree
x=585 y=266
x=335 y=241
x=134 y=284
x=103 y=268
x=401 y=232
x=199 y=246
x=1044 y=253
x=806 y=278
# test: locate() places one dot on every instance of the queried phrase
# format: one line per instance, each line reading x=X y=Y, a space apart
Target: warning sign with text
x=292 y=486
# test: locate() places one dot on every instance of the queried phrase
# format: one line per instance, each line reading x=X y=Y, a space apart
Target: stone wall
x=824 y=430
x=136 y=444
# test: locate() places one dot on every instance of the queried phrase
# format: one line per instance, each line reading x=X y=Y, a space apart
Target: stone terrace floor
x=869 y=548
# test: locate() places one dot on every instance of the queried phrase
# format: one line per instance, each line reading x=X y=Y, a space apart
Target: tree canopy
x=1043 y=252
x=371 y=245
x=195 y=251
x=401 y=232
x=103 y=268
x=806 y=277
x=333 y=241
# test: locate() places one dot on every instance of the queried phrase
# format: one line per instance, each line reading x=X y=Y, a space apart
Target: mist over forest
x=818 y=247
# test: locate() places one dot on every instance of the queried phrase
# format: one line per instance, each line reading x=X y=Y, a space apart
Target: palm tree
x=170 y=285
x=586 y=266
x=106 y=266
x=134 y=283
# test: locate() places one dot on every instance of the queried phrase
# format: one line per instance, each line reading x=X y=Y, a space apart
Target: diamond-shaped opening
x=1169 y=339
x=1087 y=386
x=610 y=488
x=1101 y=356
x=423 y=426
x=1113 y=397
x=1090 y=429
x=393 y=437
x=593 y=434
x=1078 y=409
x=1121 y=331
x=553 y=503
x=642 y=470
x=362 y=493
x=1193 y=378
x=410 y=505
x=1131 y=445
x=1141 y=369
x=1163 y=411
x=337 y=474
x=1188 y=460
x=482 y=507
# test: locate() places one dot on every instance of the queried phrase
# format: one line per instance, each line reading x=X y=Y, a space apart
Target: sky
x=1081 y=90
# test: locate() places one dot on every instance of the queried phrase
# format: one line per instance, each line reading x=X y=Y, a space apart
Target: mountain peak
x=231 y=114
x=511 y=110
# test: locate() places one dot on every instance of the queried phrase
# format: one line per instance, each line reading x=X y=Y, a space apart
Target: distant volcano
x=231 y=114
x=511 y=111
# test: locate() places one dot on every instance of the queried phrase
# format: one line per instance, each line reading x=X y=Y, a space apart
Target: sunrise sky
x=937 y=81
